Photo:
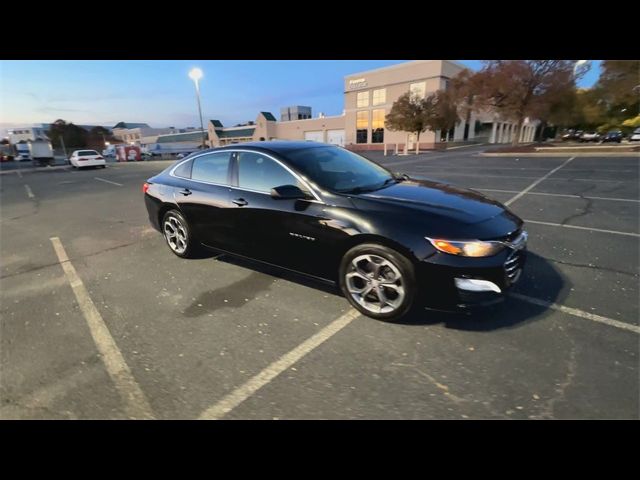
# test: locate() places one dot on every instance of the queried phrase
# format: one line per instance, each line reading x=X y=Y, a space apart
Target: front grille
x=513 y=266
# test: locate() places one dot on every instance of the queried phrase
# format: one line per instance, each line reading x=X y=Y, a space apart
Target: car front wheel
x=378 y=281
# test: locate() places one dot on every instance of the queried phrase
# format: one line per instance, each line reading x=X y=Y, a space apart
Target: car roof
x=275 y=146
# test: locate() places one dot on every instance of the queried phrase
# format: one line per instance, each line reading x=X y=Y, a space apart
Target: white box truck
x=41 y=152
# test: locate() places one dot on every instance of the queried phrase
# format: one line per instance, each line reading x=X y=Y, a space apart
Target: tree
x=463 y=89
x=410 y=114
x=619 y=83
x=518 y=89
x=73 y=136
x=97 y=138
x=445 y=110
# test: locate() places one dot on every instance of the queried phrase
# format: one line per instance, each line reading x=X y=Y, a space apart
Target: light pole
x=196 y=74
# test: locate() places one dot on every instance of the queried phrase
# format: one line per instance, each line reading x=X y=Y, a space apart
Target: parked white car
x=87 y=158
x=635 y=136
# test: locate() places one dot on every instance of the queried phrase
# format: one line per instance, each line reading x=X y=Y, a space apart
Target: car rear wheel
x=378 y=281
x=177 y=233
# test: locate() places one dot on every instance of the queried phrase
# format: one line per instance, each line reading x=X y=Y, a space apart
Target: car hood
x=446 y=208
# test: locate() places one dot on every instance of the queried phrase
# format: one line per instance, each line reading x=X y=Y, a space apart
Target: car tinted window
x=258 y=172
x=183 y=170
x=338 y=169
x=211 y=168
x=86 y=153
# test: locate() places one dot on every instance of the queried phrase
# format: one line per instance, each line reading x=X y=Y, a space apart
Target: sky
x=160 y=93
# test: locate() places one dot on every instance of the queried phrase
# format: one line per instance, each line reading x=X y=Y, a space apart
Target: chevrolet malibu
x=390 y=242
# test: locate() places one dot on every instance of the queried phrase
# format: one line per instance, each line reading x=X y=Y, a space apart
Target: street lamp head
x=195 y=74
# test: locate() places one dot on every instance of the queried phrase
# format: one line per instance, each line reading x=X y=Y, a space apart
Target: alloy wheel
x=375 y=283
x=176 y=234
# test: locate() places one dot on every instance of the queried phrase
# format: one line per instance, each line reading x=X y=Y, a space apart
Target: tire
x=392 y=268
x=182 y=242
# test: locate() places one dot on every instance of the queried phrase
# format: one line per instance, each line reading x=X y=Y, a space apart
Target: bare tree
x=518 y=89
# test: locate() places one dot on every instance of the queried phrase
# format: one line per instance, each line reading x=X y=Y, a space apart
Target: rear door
x=203 y=198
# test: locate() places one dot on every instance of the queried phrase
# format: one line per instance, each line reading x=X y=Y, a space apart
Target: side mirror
x=287 y=192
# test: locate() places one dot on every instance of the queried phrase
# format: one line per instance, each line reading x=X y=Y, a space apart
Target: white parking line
x=448 y=167
x=583 y=228
x=240 y=394
x=136 y=404
x=558 y=179
x=578 y=313
x=29 y=192
x=416 y=160
x=533 y=185
x=19 y=173
x=560 y=195
x=108 y=181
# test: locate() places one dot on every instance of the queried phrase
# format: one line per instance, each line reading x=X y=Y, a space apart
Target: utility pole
x=64 y=149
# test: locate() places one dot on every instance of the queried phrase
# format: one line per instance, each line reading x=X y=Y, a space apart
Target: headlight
x=467 y=248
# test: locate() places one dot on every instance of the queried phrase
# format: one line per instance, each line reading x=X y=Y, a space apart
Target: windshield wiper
x=370 y=188
x=401 y=177
x=359 y=189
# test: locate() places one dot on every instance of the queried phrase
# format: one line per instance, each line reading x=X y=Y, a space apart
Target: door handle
x=186 y=191
x=241 y=202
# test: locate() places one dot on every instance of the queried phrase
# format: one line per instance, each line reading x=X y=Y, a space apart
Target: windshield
x=339 y=170
x=87 y=153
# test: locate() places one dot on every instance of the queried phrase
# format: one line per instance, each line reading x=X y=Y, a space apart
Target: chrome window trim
x=188 y=159
x=236 y=150
x=286 y=167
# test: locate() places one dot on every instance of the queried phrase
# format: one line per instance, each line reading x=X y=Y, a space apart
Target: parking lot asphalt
x=217 y=334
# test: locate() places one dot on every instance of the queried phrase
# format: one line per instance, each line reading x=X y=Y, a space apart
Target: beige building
x=368 y=98
x=140 y=133
x=266 y=127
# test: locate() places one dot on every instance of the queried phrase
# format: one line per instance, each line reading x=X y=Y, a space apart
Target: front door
x=283 y=232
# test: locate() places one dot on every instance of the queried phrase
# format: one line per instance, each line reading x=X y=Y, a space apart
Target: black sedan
x=612 y=136
x=389 y=241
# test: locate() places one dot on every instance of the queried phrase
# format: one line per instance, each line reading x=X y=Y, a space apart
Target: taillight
x=99 y=158
x=145 y=187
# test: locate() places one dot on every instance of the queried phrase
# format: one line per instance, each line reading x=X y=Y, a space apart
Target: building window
x=362 y=99
x=379 y=97
x=418 y=89
x=377 y=126
x=362 y=125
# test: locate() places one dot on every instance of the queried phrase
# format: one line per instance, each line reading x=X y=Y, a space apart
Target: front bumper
x=448 y=281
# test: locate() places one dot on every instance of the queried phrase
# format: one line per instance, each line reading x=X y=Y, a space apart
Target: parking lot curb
x=33 y=170
x=562 y=154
